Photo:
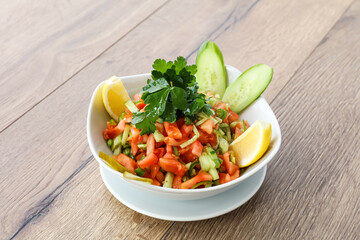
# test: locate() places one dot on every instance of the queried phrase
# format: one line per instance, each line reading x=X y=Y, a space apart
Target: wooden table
x=54 y=53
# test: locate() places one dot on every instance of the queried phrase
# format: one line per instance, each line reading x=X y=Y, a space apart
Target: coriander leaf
x=156 y=74
x=169 y=113
x=173 y=78
x=143 y=122
x=192 y=69
x=179 y=63
x=156 y=102
x=161 y=65
x=155 y=86
x=178 y=97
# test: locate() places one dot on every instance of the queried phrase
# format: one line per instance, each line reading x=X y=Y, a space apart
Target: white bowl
x=96 y=123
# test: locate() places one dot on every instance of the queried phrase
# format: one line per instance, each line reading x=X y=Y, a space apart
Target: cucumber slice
x=211 y=72
x=248 y=87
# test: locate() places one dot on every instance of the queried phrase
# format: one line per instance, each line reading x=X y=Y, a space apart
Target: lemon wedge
x=252 y=144
x=114 y=97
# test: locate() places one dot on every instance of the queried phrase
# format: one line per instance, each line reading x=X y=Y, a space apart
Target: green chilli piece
x=244 y=125
x=142 y=146
x=137 y=178
x=117 y=150
x=140 y=172
x=111 y=162
x=221 y=113
x=205 y=183
x=109 y=143
x=112 y=122
x=176 y=151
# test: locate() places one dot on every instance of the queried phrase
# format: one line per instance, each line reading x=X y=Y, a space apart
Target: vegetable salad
x=171 y=135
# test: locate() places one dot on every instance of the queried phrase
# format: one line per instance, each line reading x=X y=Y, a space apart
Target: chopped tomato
x=154 y=170
x=206 y=138
x=176 y=182
x=127 y=162
x=232 y=116
x=173 y=142
x=139 y=156
x=224 y=178
x=140 y=105
x=169 y=149
x=230 y=167
x=137 y=96
x=109 y=125
x=221 y=105
x=207 y=126
x=135 y=133
x=159 y=152
x=180 y=122
x=186 y=130
x=172 y=130
x=172 y=165
x=156 y=182
x=160 y=176
x=160 y=127
x=111 y=133
x=200 y=177
x=149 y=160
x=150 y=144
x=196 y=148
x=122 y=125
x=235 y=175
x=238 y=132
x=145 y=138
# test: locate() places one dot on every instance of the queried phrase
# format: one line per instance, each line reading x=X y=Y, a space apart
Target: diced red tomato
x=154 y=170
x=160 y=127
x=149 y=160
x=207 y=126
x=196 y=148
x=200 y=177
x=186 y=130
x=137 y=96
x=176 y=182
x=135 y=133
x=235 y=175
x=180 y=122
x=221 y=105
x=172 y=130
x=122 y=125
x=127 y=162
x=232 y=116
x=109 y=125
x=160 y=176
x=169 y=149
x=140 y=105
x=230 y=167
x=139 y=156
x=173 y=142
x=111 y=133
x=156 y=182
x=238 y=132
x=150 y=144
x=206 y=138
x=172 y=165
x=224 y=178
x=159 y=152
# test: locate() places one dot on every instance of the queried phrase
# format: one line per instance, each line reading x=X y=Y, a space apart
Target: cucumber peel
x=248 y=87
x=211 y=72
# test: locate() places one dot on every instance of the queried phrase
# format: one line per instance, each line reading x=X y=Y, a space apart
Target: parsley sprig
x=172 y=93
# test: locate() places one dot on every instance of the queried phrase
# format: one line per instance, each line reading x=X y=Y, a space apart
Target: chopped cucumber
x=223 y=145
x=125 y=134
x=191 y=140
x=214 y=173
x=158 y=136
x=169 y=177
x=248 y=87
x=131 y=106
x=211 y=72
x=117 y=150
x=117 y=142
x=142 y=146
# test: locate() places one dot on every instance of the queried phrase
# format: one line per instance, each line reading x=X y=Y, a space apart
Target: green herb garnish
x=172 y=93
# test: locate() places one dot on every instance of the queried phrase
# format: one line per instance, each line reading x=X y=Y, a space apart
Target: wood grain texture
x=312 y=189
x=54 y=180
x=44 y=43
x=60 y=120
